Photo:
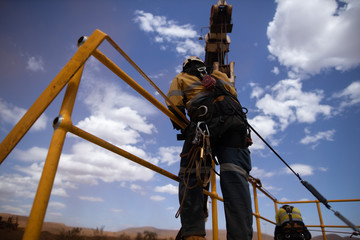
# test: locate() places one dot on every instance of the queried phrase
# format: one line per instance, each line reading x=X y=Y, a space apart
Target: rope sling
x=198 y=156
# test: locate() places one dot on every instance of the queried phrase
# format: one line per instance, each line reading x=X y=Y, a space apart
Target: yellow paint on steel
x=322 y=226
x=120 y=73
x=214 y=211
x=256 y=214
x=102 y=143
x=142 y=73
x=49 y=94
x=321 y=220
x=37 y=214
x=71 y=75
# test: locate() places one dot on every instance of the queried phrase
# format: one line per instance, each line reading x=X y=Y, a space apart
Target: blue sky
x=297 y=71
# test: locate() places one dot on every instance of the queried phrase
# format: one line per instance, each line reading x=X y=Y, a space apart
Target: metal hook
x=205 y=112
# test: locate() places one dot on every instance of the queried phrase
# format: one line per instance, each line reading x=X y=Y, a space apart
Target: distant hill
x=57 y=228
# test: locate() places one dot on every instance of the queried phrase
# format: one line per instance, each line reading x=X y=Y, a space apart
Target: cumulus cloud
x=35 y=64
x=15 y=186
x=169 y=33
x=302 y=169
x=115 y=115
x=170 y=155
x=350 y=95
x=261 y=173
x=265 y=126
x=315 y=138
x=56 y=205
x=91 y=199
x=157 y=198
x=275 y=70
x=169 y=188
x=90 y=164
x=11 y=114
x=33 y=154
x=311 y=35
x=12 y=209
x=289 y=103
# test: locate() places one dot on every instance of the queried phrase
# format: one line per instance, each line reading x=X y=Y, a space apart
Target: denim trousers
x=235 y=165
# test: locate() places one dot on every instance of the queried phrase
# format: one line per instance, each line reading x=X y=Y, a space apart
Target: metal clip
x=205 y=110
x=199 y=132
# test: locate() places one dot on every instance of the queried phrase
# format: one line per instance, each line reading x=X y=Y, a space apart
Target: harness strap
x=234 y=168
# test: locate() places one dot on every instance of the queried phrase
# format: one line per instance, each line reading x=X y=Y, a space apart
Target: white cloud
x=14 y=186
x=115 y=116
x=61 y=192
x=89 y=164
x=114 y=111
x=35 y=64
x=12 y=114
x=56 y=205
x=169 y=188
x=137 y=188
x=275 y=70
x=157 y=198
x=13 y=210
x=311 y=35
x=189 y=47
x=301 y=169
x=265 y=126
x=33 y=154
x=169 y=33
x=91 y=199
x=350 y=95
x=257 y=92
x=170 y=155
x=313 y=139
x=261 y=173
x=289 y=103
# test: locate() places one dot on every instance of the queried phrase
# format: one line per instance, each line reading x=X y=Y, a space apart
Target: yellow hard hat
x=191 y=59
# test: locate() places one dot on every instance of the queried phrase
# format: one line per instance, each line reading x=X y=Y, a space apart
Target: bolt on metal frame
x=70 y=75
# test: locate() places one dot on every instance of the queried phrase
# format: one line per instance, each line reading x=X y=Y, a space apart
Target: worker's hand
x=208 y=81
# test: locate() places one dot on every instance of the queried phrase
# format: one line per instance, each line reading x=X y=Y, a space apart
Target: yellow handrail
x=70 y=75
x=257 y=186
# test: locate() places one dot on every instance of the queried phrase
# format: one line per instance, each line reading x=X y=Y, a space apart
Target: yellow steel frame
x=256 y=185
x=70 y=75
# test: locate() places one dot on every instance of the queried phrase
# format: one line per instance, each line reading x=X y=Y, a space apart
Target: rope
x=198 y=158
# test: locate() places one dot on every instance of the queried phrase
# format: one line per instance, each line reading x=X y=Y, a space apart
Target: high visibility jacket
x=186 y=88
x=282 y=216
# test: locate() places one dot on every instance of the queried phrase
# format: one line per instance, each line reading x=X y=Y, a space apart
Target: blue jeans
x=235 y=165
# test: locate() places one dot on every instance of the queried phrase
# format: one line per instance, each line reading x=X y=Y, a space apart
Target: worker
x=210 y=100
x=290 y=225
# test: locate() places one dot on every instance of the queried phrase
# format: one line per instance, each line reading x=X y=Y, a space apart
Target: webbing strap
x=231 y=167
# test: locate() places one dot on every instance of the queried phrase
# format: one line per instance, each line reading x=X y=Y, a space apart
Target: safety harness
x=214 y=103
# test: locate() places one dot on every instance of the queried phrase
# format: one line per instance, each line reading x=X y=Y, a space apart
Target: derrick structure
x=217 y=40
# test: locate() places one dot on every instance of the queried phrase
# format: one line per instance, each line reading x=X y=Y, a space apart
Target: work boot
x=194 y=238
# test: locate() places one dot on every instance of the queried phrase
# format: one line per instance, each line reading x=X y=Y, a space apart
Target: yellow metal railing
x=70 y=75
x=256 y=184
